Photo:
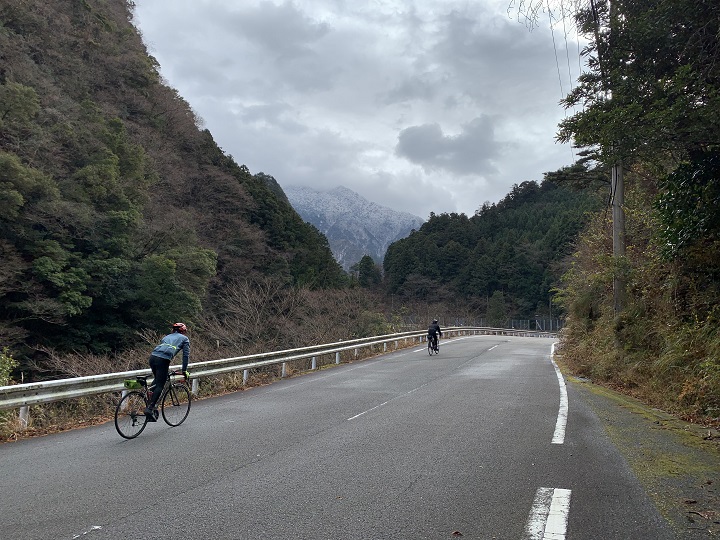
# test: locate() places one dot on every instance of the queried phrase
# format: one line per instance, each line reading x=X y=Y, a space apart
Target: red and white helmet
x=179 y=327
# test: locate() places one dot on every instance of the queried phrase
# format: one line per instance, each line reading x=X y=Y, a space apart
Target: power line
x=567 y=48
x=557 y=64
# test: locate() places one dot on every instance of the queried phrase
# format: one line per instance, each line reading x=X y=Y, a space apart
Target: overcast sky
x=419 y=105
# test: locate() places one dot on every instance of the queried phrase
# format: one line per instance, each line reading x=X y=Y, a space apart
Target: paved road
x=403 y=446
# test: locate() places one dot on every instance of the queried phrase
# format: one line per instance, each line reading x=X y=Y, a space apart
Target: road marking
x=549 y=515
x=388 y=401
x=448 y=340
x=91 y=529
x=559 y=435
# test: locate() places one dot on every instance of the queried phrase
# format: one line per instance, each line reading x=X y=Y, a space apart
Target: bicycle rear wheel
x=130 y=417
x=176 y=404
x=431 y=349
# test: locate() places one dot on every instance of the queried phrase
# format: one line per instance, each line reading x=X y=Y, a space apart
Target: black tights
x=160 y=368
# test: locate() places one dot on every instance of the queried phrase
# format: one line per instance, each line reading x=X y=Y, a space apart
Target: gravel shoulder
x=678 y=463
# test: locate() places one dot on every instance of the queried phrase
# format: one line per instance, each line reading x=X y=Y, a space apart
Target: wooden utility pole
x=617 y=183
x=618 y=217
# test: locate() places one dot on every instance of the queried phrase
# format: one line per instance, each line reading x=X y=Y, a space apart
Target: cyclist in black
x=160 y=363
x=433 y=333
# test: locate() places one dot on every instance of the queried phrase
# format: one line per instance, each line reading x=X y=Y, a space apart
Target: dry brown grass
x=664 y=347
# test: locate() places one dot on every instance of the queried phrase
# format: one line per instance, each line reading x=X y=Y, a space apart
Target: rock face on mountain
x=354 y=226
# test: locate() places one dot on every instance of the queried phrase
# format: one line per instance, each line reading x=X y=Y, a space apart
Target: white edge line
x=558 y=516
x=549 y=515
x=559 y=434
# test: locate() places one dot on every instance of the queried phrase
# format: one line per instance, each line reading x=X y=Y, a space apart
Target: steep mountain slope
x=353 y=225
x=117 y=212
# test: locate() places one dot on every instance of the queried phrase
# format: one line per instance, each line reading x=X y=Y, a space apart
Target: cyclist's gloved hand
x=186 y=374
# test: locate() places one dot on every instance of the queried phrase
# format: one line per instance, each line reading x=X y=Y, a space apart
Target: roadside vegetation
x=664 y=347
x=646 y=321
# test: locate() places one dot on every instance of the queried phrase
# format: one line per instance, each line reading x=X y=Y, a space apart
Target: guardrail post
x=246 y=373
x=385 y=347
x=24 y=416
x=314 y=362
x=337 y=357
x=283 y=374
x=356 y=354
x=122 y=395
x=195 y=385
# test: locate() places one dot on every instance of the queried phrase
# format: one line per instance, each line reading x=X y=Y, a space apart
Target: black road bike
x=433 y=345
x=130 y=419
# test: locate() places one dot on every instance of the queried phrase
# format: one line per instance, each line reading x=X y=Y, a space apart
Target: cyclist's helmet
x=179 y=327
x=435 y=321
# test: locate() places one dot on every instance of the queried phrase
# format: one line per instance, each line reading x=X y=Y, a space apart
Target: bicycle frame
x=146 y=387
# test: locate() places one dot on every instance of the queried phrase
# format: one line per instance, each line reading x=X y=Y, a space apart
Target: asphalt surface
x=403 y=446
x=678 y=463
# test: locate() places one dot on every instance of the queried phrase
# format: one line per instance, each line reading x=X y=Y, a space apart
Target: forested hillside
x=117 y=211
x=511 y=250
x=643 y=291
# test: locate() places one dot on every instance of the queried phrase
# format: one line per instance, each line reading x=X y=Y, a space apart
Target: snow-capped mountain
x=354 y=226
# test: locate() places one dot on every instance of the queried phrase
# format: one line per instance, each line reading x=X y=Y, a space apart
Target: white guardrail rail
x=23 y=395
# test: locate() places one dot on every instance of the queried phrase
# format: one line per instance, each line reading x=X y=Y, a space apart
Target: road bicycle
x=130 y=419
x=433 y=345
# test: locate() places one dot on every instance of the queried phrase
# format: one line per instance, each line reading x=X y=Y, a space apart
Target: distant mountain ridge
x=354 y=226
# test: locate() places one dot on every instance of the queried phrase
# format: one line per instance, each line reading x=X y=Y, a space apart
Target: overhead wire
x=567 y=48
x=557 y=62
x=577 y=40
x=567 y=57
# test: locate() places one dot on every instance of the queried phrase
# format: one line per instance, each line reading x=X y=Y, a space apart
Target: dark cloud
x=470 y=152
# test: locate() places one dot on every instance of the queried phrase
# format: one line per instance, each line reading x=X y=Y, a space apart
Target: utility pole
x=608 y=74
x=618 y=218
x=617 y=183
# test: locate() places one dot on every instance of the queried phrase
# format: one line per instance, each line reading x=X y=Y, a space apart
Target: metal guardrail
x=24 y=395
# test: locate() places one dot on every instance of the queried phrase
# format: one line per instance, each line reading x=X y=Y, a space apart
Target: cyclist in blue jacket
x=160 y=363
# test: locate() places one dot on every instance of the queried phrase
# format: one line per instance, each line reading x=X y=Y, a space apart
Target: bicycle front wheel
x=130 y=417
x=176 y=404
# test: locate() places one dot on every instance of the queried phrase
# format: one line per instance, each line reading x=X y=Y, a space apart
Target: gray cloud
x=470 y=152
x=283 y=30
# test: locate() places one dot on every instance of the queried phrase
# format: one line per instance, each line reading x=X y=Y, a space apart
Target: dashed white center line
x=386 y=402
x=549 y=515
x=91 y=529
